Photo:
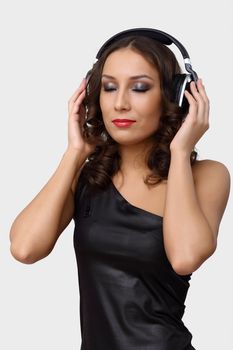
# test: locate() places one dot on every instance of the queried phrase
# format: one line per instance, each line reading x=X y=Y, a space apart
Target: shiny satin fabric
x=130 y=296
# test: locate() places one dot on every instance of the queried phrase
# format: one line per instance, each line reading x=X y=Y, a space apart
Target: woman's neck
x=133 y=161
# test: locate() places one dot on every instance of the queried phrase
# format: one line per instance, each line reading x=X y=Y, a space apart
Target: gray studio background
x=46 y=49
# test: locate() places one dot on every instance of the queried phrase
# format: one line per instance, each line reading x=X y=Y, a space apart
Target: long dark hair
x=105 y=161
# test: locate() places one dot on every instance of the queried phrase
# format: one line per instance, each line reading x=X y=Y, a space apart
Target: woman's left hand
x=196 y=122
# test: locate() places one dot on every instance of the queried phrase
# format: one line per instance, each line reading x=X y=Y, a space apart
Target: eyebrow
x=131 y=78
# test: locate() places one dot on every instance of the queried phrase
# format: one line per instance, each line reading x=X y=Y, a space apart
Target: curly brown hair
x=105 y=161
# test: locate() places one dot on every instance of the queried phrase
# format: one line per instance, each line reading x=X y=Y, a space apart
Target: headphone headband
x=155 y=34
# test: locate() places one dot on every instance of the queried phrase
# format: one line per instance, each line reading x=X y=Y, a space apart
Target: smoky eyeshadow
x=135 y=87
x=141 y=86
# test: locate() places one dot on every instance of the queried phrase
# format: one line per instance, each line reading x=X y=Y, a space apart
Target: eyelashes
x=136 y=87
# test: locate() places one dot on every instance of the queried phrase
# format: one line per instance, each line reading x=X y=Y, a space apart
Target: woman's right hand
x=76 y=120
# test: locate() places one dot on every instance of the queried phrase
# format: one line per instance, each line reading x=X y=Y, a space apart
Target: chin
x=126 y=140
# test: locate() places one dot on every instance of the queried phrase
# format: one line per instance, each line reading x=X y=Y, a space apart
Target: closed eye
x=108 y=88
x=136 y=87
x=141 y=87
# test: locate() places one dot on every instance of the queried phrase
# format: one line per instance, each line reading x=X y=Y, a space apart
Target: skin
x=119 y=98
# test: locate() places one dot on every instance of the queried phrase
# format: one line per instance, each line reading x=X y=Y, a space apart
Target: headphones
x=181 y=82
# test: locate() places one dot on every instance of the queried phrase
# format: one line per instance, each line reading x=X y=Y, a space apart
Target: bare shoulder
x=209 y=169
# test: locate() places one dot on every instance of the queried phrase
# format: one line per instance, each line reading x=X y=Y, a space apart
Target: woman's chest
x=108 y=224
x=135 y=192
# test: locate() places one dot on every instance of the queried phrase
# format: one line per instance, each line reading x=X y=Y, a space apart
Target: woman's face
x=130 y=89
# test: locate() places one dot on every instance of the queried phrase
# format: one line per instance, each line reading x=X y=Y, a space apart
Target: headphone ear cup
x=181 y=82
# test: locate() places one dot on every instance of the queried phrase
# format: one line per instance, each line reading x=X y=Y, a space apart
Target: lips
x=123 y=122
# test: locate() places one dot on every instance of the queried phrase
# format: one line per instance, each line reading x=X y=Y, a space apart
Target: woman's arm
x=36 y=229
x=193 y=211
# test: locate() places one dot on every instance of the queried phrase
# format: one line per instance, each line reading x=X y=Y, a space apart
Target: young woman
x=146 y=211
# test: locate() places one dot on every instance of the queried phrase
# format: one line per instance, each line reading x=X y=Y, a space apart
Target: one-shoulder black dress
x=130 y=296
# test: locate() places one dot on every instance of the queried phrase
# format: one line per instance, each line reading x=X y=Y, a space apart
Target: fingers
x=74 y=108
x=199 y=102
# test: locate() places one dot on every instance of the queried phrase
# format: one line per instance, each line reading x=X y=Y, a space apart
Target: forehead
x=128 y=62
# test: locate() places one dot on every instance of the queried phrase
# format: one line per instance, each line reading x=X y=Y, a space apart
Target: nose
x=122 y=101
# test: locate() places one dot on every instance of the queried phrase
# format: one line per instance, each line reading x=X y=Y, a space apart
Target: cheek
x=105 y=108
x=150 y=109
x=101 y=102
x=104 y=104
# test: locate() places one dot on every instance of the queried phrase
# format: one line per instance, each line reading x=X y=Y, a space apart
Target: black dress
x=130 y=296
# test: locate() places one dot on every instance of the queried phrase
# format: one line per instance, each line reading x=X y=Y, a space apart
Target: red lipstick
x=123 y=122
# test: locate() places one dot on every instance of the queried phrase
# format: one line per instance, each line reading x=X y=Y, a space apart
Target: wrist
x=75 y=156
x=181 y=154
